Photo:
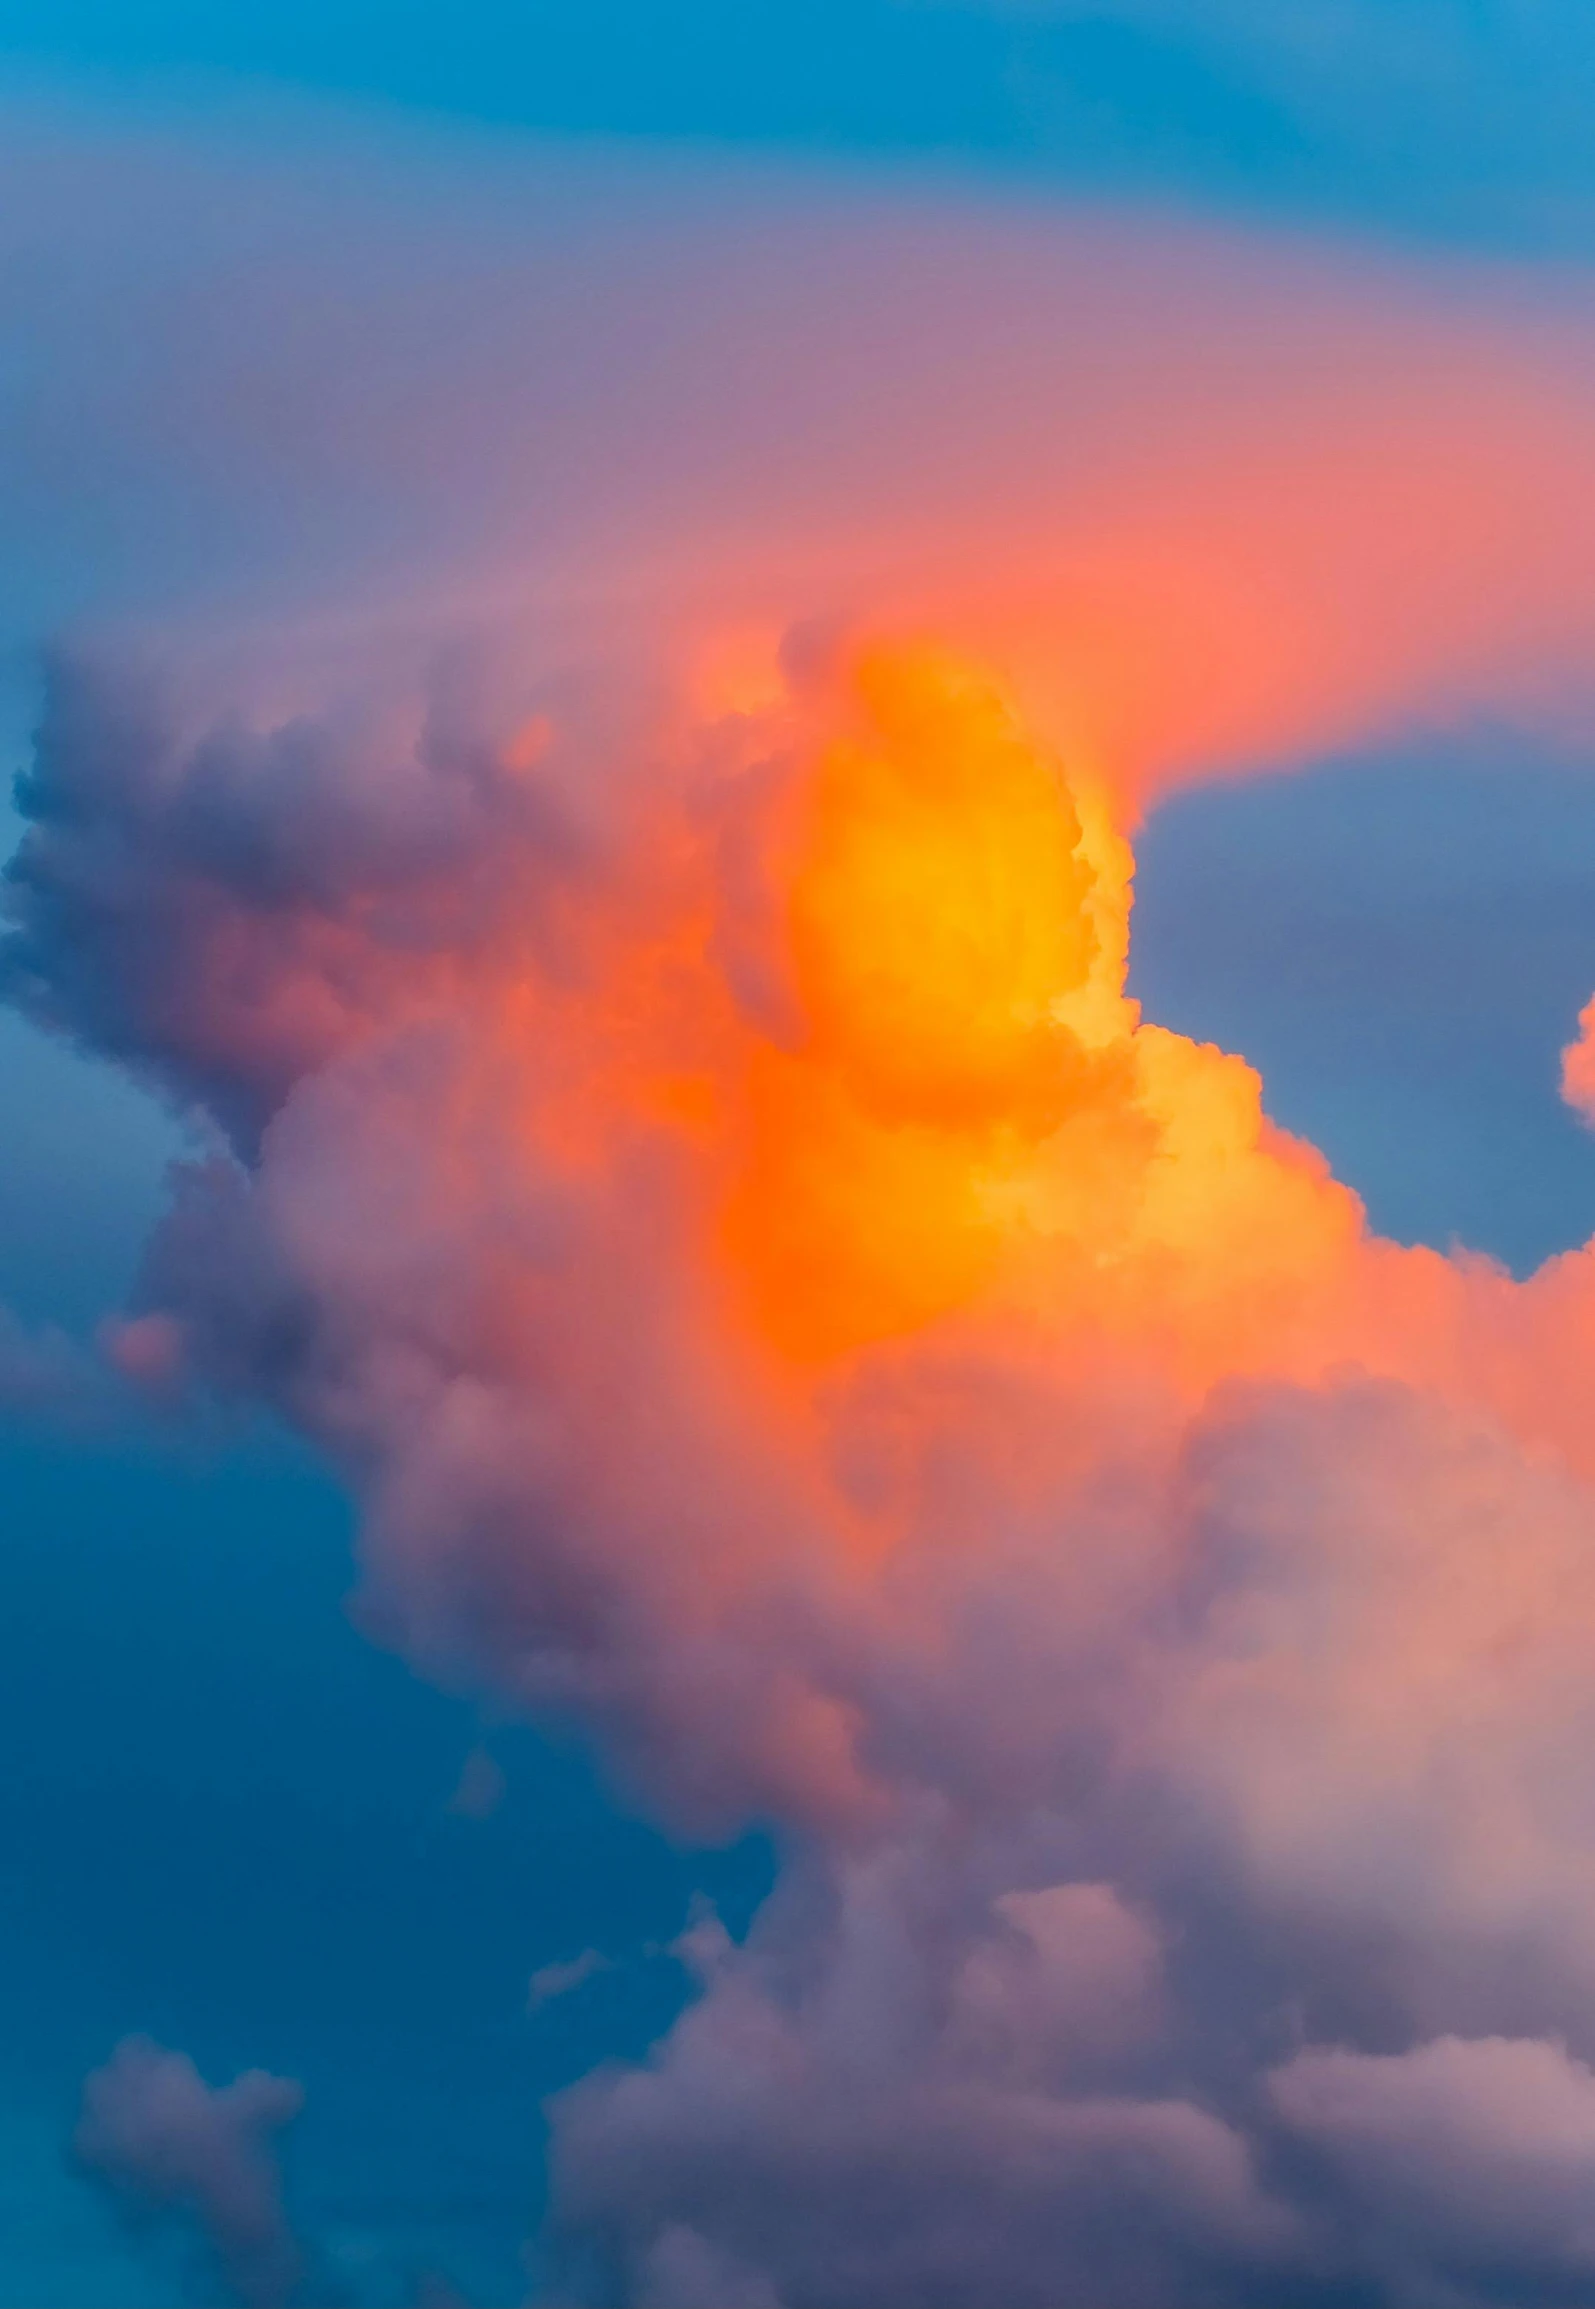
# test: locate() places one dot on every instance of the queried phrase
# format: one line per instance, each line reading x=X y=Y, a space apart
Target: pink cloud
x=683 y=1150
x=1150 y=1603
x=1479 y=2153
x=1578 y=1067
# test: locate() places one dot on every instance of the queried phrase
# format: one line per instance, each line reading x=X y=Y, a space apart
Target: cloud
x=552 y=1981
x=679 y=1143
x=479 y=1791
x=1578 y=1067
x=816 y=2124
x=682 y=2271
x=1339 y=1790
x=166 y=2143
x=1243 y=495
x=1478 y=2154
x=695 y=1169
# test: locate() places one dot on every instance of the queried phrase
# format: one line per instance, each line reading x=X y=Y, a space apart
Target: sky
x=752 y=1555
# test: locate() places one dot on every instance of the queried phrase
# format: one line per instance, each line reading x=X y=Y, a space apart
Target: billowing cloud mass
x=681 y=1146
x=691 y=1161
x=167 y=2144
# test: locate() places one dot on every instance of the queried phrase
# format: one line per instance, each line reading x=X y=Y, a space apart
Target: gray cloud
x=1462 y=2157
x=164 y=2142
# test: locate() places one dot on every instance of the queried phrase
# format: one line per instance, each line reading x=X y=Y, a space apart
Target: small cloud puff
x=1578 y=1067
x=479 y=1790
x=552 y=1981
x=164 y=2142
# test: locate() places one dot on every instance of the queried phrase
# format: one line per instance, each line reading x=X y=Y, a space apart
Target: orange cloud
x=691 y=1161
x=779 y=1300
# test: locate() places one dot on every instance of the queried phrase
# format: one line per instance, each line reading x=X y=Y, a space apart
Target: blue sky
x=229 y=1813
x=1413 y=115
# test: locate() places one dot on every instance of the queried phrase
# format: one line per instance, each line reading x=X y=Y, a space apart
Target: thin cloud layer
x=1431 y=117
x=1205 y=497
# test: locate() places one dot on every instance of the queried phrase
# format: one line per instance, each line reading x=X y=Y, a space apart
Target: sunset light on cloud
x=738 y=1578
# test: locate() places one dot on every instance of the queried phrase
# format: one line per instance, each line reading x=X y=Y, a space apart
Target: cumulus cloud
x=828 y=2114
x=1340 y=1796
x=694 y=1167
x=165 y=2143
x=678 y=1141
x=683 y=2271
x=1476 y=2154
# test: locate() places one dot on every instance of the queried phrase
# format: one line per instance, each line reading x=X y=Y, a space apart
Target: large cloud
x=679 y=1142
x=687 y=1155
